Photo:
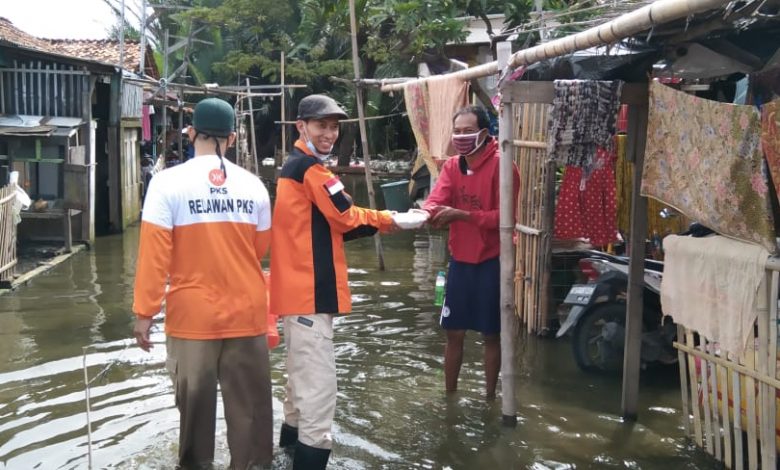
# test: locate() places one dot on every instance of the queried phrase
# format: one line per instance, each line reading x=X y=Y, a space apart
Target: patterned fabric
x=587 y=208
x=583 y=118
x=770 y=140
x=415 y=93
x=704 y=159
x=624 y=177
x=430 y=105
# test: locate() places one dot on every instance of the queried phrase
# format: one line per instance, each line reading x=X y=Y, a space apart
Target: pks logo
x=216 y=177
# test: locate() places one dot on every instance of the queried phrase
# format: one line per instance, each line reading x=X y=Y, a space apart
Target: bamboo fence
x=534 y=215
x=7 y=233
x=729 y=404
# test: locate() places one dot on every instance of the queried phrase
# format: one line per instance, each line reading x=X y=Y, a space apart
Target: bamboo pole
x=180 y=127
x=283 y=116
x=723 y=390
x=164 y=131
x=681 y=360
x=363 y=134
x=749 y=360
x=624 y=26
x=771 y=412
x=736 y=385
x=708 y=374
x=695 y=387
x=252 y=125
x=506 y=226
x=767 y=393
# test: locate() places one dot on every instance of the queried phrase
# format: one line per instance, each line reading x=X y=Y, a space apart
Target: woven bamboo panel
x=534 y=216
x=7 y=233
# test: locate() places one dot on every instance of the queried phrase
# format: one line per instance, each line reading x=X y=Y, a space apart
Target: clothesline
x=524 y=28
x=369 y=118
x=622 y=27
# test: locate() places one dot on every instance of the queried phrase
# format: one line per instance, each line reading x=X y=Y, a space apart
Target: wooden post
x=252 y=125
x=280 y=158
x=637 y=137
x=506 y=229
x=363 y=134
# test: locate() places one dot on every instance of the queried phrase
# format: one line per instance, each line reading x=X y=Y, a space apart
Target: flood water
x=392 y=412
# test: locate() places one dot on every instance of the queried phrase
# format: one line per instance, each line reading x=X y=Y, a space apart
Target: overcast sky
x=59 y=19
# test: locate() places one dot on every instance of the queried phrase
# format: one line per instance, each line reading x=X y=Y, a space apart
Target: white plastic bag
x=22 y=201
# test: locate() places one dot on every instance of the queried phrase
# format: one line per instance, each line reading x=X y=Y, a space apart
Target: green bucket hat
x=214 y=117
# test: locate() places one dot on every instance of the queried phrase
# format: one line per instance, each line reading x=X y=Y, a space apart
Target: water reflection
x=391 y=414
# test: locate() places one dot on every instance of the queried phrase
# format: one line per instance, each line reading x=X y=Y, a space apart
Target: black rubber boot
x=288 y=436
x=310 y=458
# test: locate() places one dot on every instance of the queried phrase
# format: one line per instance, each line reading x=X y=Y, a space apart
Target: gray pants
x=241 y=367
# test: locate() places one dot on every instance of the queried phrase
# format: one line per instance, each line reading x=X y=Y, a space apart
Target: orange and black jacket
x=313 y=217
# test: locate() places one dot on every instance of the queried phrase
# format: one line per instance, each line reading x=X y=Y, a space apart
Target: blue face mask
x=313 y=149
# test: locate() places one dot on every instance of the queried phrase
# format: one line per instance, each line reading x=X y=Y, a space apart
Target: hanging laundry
x=586 y=206
x=770 y=139
x=704 y=159
x=713 y=285
x=624 y=177
x=430 y=105
x=146 y=123
x=583 y=117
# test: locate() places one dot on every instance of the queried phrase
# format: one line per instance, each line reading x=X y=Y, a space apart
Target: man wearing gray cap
x=313 y=217
x=206 y=225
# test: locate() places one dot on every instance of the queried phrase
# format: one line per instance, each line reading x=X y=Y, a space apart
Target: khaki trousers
x=310 y=399
x=241 y=367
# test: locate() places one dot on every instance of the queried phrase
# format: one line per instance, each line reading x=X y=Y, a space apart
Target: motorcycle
x=596 y=316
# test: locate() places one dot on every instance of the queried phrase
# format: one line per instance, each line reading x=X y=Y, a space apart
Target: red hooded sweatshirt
x=476 y=239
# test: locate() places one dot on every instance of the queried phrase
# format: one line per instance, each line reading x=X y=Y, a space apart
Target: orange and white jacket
x=205 y=236
x=313 y=217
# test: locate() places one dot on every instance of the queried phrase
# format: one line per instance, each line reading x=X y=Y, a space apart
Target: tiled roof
x=101 y=50
x=104 y=51
x=12 y=34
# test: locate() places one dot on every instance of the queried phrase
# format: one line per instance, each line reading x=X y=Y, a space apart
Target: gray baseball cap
x=318 y=107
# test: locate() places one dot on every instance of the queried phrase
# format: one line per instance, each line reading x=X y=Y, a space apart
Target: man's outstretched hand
x=445 y=215
x=141 y=332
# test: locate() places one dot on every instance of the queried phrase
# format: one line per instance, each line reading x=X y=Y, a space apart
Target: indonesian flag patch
x=334 y=186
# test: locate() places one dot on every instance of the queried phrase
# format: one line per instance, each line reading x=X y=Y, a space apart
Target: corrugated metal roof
x=38 y=126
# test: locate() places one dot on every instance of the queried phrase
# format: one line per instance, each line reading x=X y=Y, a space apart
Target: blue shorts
x=473 y=297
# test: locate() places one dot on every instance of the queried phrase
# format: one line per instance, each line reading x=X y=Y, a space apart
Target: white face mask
x=313 y=149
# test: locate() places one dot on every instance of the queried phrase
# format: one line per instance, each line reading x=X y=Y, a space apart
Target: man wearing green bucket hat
x=205 y=227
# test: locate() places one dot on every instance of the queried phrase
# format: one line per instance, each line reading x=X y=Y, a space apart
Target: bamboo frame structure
x=533 y=227
x=507 y=288
x=731 y=402
x=627 y=25
x=531 y=104
x=380 y=252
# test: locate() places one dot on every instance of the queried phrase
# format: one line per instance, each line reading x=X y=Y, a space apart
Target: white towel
x=715 y=286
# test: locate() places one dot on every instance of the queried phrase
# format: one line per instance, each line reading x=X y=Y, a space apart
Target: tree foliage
x=246 y=39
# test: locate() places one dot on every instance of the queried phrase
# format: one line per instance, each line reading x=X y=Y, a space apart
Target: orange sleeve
x=152 y=268
x=326 y=191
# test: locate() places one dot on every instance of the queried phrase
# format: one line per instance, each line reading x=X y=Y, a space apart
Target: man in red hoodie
x=466 y=198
